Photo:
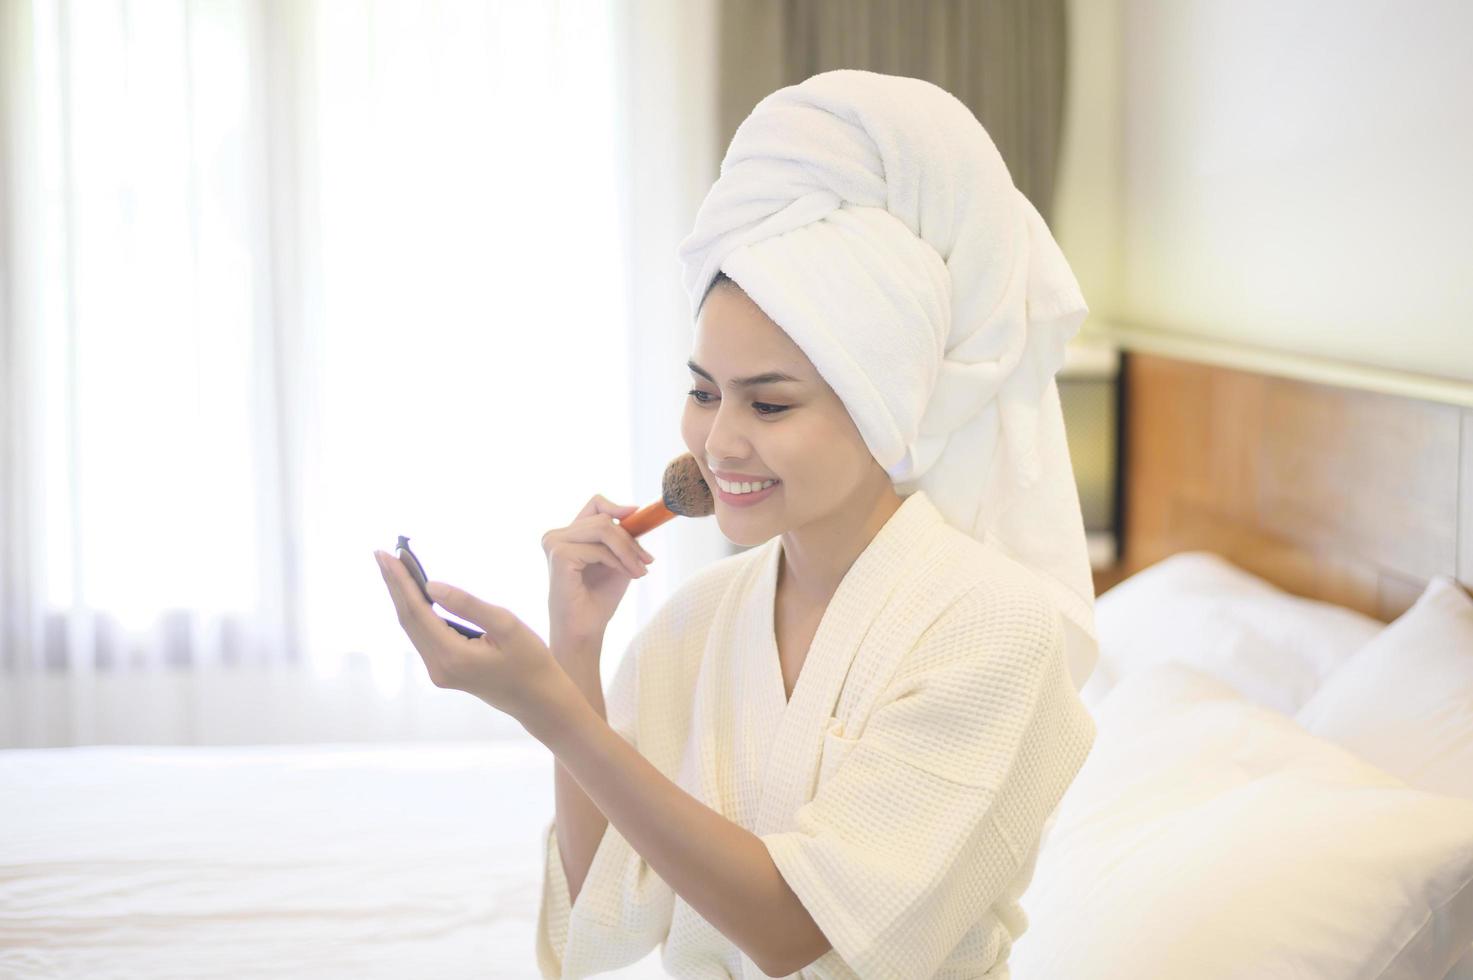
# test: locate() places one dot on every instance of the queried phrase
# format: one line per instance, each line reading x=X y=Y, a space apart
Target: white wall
x=1289 y=176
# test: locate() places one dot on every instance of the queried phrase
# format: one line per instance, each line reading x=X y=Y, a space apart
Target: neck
x=816 y=557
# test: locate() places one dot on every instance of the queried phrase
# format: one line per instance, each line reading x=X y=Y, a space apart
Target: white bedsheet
x=363 y=860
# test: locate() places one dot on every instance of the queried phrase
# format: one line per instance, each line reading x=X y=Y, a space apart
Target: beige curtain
x=1005 y=59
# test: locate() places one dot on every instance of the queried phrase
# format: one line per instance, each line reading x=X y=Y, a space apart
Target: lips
x=741 y=477
x=747 y=499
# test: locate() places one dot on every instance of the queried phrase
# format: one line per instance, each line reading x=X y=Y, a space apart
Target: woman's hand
x=590 y=563
x=509 y=668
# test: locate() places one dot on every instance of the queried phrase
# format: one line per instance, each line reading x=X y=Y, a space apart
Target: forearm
x=580 y=823
x=721 y=869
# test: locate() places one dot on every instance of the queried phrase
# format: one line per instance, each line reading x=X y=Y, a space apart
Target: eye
x=703 y=398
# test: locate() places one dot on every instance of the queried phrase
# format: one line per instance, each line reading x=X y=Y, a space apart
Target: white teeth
x=742 y=487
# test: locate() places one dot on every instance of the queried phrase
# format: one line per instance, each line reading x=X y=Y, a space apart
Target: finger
x=634 y=543
x=442 y=659
x=599 y=532
x=579 y=556
x=429 y=632
x=400 y=588
x=599 y=504
x=622 y=543
x=495 y=620
x=644 y=553
x=409 y=589
x=600 y=510
x=392 y=584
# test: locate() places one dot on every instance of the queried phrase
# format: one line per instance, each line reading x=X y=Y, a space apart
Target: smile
x=745 y=499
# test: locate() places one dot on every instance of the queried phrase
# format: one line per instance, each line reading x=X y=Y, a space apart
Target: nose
x=727 y=437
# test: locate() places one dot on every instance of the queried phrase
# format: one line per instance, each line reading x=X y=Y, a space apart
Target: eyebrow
x=768 y=377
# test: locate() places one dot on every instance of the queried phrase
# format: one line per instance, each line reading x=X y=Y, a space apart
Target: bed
x=1282 y=782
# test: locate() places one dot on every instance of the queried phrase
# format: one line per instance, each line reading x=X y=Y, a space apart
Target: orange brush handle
x=647 y=518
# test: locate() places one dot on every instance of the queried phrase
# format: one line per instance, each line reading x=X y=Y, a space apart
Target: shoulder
x=1003 y=588
x=1002 y=618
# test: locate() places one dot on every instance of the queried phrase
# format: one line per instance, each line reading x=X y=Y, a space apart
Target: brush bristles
x=685 y=489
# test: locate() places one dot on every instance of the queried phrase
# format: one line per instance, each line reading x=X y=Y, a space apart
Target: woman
x=836 y=752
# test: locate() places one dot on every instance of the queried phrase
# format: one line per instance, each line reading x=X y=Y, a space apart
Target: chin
x=742 y=532
x=741 y=536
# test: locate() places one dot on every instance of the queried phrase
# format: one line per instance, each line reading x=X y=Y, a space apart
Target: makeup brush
x=685 y=493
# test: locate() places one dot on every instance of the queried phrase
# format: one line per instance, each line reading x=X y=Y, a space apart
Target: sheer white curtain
x=285 y=280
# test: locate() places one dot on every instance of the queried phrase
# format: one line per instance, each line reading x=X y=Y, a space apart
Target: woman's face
x=797 y=432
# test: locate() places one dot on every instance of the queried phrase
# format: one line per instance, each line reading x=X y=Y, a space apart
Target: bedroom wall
x=1291 y=178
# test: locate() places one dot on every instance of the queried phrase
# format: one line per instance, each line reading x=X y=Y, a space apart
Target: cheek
x=796 y=450
x=816 y=450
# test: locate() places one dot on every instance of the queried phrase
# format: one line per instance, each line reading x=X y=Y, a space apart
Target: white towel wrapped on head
x=871 y=217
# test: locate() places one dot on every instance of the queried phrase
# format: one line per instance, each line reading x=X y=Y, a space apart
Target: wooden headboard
x=1354 y=497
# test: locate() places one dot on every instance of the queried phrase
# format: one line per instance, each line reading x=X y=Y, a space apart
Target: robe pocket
x=835 y=747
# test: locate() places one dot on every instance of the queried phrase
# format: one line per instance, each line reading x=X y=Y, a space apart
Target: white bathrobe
x=902 y=792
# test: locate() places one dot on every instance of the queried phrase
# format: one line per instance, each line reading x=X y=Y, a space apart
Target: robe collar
x=893 y=557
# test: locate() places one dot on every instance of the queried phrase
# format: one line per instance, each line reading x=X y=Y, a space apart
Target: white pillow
x=1208 y=837
x=1405 y=701
x=1196 y=607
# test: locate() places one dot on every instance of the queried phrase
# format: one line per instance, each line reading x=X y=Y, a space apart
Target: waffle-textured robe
x=902 y=792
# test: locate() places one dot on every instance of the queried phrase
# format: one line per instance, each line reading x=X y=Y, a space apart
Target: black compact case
x=417 y=572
